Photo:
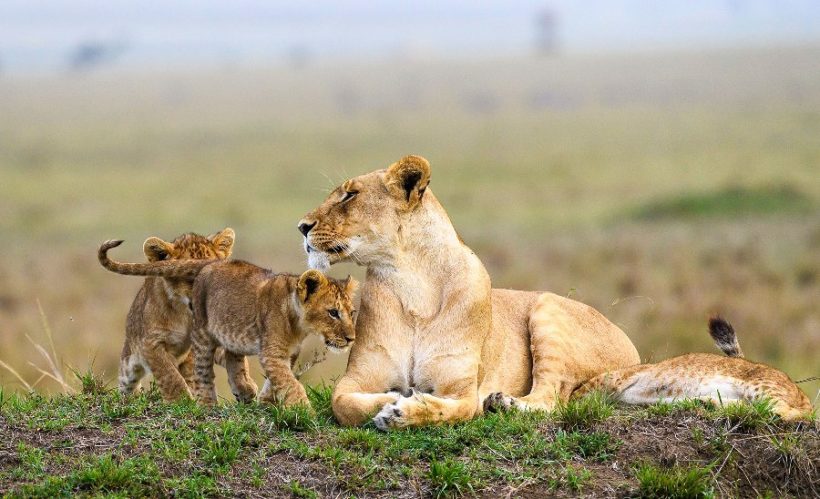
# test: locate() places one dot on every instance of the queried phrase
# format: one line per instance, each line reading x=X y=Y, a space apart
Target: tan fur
x=249 y=310
x=705 y=376
x=434 y=342
x=158 y=326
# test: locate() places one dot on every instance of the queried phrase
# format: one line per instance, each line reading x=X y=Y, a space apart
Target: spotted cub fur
x=158 y=325
x=249 y=310
x=706 y=376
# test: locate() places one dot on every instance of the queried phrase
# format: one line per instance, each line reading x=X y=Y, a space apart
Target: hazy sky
x=41 y=35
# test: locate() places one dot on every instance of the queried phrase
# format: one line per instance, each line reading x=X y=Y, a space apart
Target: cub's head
x=327 y=308
x=360 y=219
x=189 y=246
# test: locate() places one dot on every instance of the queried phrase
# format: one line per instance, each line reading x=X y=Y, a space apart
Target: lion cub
x=707 y=377
x=158 y=326
x=249 y=310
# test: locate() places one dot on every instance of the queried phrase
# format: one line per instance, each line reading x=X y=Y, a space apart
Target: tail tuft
x=724 y=336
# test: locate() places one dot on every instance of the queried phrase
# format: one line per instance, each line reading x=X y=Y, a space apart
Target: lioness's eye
x=334 y=313
x=348 y=196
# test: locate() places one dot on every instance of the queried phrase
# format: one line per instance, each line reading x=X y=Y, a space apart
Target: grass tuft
x=296 y=489
x=449 y=477
x=582 y=413
x=749 y=416
x=673 y=483
x=596 y=446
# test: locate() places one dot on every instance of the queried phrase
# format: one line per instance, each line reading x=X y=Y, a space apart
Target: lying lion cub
x=705 y=376
x=158 y=327
x=249 y=310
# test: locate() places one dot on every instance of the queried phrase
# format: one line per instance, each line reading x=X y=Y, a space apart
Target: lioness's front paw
x=498 y=402
x=390 y=417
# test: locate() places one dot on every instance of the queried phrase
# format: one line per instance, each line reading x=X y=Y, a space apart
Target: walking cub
x=158 y=326
x=705 y=376
x=249 y=310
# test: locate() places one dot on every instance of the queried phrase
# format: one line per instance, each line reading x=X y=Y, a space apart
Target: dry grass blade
x=17 y=375
x=318 y=358
x=46 y=328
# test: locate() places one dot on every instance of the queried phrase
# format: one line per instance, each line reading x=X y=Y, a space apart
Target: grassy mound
x=98 y=443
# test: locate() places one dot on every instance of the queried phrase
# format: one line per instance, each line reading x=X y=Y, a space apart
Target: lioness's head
x=360 y=219
x=327 y=308
x=189 y=246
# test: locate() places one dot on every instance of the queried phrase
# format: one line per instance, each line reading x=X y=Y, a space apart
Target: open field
x=658 y=188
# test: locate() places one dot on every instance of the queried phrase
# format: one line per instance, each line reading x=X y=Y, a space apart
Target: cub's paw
x=391 y=416
x=498 y=402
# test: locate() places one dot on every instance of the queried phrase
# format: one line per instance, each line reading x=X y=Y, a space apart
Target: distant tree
x=299 y=56
x=546 y=37
x=90 y=54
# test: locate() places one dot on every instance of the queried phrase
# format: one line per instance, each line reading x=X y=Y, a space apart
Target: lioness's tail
x=724 y=336
x=165 y=268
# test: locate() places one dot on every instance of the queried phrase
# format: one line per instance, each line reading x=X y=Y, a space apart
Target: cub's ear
x=407 y=179
x=351 y=285
x=224 y=241
x=310 y=282
x=156 y=249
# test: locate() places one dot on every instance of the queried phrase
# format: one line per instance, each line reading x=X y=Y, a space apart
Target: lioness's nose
x=305 y=227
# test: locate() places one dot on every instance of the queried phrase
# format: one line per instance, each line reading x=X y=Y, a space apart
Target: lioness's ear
x=351 y=285
x=156 y=249
x=224 y=241
x=408 y=179
x=310 y=282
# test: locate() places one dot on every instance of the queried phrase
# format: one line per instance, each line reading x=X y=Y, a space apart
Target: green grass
x=748 y=416
x=674 y=483
x=583 y=413
x=728 y=202
x=449 y=477
x=143 y=447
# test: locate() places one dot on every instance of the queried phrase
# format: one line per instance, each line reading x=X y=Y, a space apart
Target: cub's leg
x=203 y=347
x=131 y=371
x=281 y=385
x=242 y=386
x=186 y=368
x=570 y=343
x=164 y=367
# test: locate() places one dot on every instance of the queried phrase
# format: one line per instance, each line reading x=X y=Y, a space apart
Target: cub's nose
x=305 y=227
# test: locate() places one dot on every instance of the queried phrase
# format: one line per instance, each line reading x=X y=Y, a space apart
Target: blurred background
x=659 y=161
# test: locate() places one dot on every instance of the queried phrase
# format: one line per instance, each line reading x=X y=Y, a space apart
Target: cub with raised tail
x=158 y=326
x=706 y=376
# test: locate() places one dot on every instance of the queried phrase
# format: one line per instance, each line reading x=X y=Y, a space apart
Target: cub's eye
x=334 y=313
x=348 y=196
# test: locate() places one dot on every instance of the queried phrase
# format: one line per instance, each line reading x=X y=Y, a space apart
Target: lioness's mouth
x=339 y=248
x=336 y=249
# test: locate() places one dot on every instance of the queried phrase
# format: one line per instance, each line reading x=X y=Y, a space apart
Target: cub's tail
x=724 y=336
x=188 y=269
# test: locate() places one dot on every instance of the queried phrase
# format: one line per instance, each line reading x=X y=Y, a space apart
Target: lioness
x=434 y=342
x=705 y=376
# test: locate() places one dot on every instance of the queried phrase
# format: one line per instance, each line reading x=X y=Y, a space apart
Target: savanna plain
x=658 y=188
